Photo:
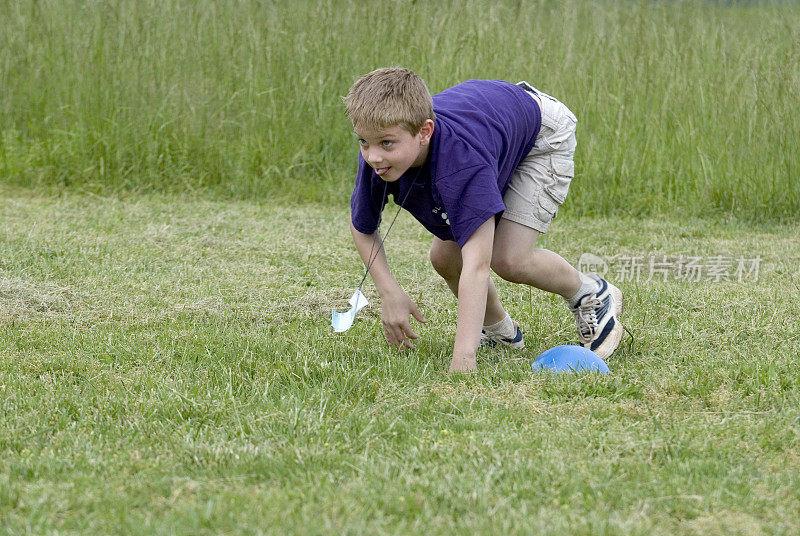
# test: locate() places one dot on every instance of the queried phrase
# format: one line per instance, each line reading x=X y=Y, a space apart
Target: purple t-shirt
x=483 y=130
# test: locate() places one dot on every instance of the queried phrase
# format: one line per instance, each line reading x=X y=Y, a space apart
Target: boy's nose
x=374 y=157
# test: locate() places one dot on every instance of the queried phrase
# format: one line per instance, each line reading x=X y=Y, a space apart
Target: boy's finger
x=418 y=315
x=388 y=333
x=409 y=333
x=402 y=336
x=398 y=337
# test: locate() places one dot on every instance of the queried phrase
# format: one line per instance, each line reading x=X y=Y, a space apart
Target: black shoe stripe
x=604 y=308
x=517 y=337
x=603 y=334
x=603 y=286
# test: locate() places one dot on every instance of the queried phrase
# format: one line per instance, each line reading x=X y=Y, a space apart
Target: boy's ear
x=425 y=132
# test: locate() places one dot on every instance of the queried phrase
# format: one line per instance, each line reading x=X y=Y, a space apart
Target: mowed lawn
x=167 y=367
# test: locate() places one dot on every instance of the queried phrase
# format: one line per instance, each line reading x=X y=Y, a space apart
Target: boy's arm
x=472 y=289
x=397 y=306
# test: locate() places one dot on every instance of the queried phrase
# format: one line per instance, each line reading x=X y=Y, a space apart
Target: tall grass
x=683 y=106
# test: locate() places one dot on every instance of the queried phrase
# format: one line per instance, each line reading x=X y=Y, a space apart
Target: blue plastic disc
x=570 y=358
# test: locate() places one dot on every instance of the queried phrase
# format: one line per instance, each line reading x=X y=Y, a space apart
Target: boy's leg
x=595 y=303
x=537 y=189
x=515 y=258
x=539 y=185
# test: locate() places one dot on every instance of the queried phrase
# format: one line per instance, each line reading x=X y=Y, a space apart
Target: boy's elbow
x=477 y=251
x=474 y=279
x=476 y=268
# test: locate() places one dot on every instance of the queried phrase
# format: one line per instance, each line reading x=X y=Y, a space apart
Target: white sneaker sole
x=611 y=343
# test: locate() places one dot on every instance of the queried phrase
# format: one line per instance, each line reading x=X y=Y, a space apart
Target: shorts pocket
x=563 y=171
x=548 y=207
x=563 y=166
x=543 y=139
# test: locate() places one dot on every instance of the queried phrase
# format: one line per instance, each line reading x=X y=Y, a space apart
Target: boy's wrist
x=464 y=354
x=388 y=290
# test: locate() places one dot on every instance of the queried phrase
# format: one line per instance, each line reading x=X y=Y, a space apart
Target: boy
x=484 y=166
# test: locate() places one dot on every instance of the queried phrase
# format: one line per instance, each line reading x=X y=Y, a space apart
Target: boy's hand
x=397 y=307
x=463 y=363
x=395 y=318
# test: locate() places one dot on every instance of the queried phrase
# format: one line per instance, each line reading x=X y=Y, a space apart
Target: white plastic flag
x=343 y=321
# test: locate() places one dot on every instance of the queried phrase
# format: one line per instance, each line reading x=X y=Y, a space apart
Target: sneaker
x=516 y=342
x=597 y=318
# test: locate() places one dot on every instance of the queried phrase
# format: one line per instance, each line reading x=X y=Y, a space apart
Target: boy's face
x=392 y=151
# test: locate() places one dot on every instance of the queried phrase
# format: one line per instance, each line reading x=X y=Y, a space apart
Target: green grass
x=167 y=367
x=686 y=107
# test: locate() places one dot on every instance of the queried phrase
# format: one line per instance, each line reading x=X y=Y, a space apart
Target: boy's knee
x=445 y=264
x=508 y=266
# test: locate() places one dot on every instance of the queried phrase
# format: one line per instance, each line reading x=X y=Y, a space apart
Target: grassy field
x=167 y=367
x=174 y=179
x=686 y=107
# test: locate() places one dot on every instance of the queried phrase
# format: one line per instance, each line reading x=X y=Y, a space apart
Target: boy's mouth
x=381 y=171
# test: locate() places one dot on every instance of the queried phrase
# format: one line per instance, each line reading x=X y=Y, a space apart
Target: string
x=384 y=236
x=384 y=198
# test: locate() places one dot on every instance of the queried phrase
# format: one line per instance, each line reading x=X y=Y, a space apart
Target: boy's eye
x=387 y=143
x=362 y=143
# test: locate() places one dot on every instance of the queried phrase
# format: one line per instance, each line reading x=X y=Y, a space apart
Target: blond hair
x=389 y=97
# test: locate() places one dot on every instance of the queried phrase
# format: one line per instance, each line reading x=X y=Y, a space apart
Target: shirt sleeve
x=470 y=196
x=367 y=201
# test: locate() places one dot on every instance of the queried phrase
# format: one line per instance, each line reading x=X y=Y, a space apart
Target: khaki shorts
x=540 y=183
